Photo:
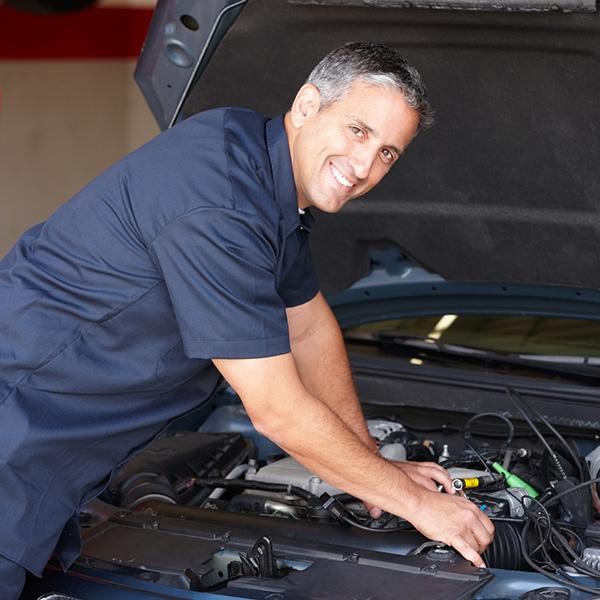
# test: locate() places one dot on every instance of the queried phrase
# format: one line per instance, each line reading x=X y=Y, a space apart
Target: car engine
x=541 y=493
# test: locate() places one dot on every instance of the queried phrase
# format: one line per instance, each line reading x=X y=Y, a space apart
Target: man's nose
x=362 y=160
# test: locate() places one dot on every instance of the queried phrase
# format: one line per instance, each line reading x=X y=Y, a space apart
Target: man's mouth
x=340 y=178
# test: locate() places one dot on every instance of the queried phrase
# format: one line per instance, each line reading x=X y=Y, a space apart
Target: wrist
x=407 y=494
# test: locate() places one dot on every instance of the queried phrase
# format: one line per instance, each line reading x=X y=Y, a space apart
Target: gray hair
x=375 y=64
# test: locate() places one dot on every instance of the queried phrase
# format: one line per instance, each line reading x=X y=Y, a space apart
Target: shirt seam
x=208 y=209
x=84 y=328
x=226 y=144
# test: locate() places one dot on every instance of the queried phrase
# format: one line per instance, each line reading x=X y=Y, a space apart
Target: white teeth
x=340 y=178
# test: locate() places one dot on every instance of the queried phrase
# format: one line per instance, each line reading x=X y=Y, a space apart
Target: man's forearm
x=281 y=407
x=322 y=362
x=316 y=436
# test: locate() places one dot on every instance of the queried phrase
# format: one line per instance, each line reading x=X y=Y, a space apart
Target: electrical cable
x=511 y=427
x=341 y=513
x=472 y=448
x=467 y=435
x=449 y=428
x=513 y=396
x=559 y=543
x=557 y=497
x=563 y=580
x=540 y=416
x=549 y=535
x=575 y=561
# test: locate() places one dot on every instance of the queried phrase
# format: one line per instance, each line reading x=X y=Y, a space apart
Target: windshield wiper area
x=573 y=366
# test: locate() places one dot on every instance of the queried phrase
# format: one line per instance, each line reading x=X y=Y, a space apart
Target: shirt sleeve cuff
x=237 y=349
x=298 y=297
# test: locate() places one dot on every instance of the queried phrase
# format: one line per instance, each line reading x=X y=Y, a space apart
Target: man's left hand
x=430 y=475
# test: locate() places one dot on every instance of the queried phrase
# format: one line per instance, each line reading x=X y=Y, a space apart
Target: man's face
x=344 y=150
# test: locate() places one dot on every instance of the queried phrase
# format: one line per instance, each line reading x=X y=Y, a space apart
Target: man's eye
x=357 y=131
x=388 y=155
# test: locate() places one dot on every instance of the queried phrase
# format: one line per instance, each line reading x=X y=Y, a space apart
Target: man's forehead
x=382 y=111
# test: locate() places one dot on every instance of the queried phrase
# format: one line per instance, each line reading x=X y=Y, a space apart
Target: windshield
x=524 y=335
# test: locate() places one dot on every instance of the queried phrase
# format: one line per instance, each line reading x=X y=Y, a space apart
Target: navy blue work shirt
x=186 y=250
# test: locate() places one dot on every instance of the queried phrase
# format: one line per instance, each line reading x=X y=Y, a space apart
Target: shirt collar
x=283 y=178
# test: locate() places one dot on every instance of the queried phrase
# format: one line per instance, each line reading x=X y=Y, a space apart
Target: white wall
x=61 y=124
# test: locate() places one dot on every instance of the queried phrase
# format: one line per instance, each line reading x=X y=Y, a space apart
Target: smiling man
x=186 y=260
x=342 y=148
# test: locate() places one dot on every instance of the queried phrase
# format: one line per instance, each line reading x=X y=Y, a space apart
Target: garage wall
x=64 y=119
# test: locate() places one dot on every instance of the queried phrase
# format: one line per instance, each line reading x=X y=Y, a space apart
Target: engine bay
x=539 y=488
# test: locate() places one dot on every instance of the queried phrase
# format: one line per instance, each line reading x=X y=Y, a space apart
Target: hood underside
x=503 y=188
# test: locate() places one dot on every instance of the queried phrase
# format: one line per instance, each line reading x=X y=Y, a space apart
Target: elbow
x=268 y=427
x=271 y=425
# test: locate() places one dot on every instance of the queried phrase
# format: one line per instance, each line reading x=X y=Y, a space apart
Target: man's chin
x=332 y=205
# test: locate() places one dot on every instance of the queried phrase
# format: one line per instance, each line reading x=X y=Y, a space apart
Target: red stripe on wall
x=93 y=33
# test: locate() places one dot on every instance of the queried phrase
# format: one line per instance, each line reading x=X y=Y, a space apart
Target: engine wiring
x=537 y=496
x=344 y=515
x=548 y=543
x=542 y=531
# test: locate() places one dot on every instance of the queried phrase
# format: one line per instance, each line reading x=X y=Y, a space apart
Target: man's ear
x=306 y=103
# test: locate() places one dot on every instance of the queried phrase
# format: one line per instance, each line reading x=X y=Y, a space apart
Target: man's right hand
x=455 y=521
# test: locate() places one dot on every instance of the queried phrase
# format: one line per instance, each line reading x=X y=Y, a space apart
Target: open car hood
x=504 y=187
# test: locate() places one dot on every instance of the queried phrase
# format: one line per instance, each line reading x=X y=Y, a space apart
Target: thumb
x=374 y=511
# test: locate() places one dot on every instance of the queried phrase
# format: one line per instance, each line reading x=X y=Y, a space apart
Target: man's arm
x=320 y=355
x=281 y=408
x=322 y=362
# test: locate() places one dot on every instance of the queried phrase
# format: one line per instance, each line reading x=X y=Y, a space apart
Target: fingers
x=440 y=475
x=457 y=522
x=467 y=551
x=374 y=511
x=427 y=474
x=489 y=526
x=480 y=528
x=486 y=534
x=422 y=480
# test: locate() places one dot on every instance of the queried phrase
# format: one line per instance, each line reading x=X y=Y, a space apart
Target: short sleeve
x=299 y=282
x=219 y=268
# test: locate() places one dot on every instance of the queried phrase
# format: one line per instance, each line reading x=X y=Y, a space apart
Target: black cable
x=559 y=543
x=507 y=519
x=405 y=421
x=354 y=523
x=485 y=465
x=557 y=497
x=563 y=580
x=540 y=416
x=467 y=434
x=341 y=513
x=513 y=397
x=511 y=427
x=575 y=561
x=539 y=521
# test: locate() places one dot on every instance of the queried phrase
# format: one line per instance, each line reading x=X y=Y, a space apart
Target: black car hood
x=504 y=188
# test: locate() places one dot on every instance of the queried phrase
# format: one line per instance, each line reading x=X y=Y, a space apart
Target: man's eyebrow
x=363 y=125
x=372 y=131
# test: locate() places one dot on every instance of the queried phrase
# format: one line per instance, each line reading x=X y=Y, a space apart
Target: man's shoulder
x=241 y=131
x=235 y=124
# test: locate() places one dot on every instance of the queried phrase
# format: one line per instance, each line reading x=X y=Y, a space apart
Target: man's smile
x=340 y=177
